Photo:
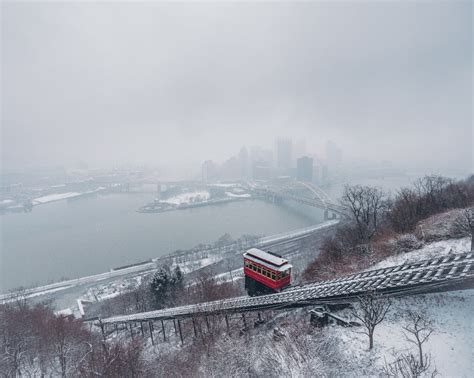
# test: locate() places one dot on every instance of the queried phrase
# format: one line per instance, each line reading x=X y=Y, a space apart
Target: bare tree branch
x=371 y=311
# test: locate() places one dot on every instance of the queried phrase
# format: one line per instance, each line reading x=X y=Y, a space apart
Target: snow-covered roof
x=258 y=254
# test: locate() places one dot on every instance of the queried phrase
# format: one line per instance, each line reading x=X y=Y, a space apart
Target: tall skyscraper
x=284 y=153
x=304 y=169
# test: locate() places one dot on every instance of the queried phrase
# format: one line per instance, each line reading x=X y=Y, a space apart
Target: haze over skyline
x=177 y=84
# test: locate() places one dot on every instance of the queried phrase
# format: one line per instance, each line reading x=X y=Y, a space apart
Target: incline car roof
x=265 y=257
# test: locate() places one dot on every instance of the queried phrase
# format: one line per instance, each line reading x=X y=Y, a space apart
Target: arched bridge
x=306 y=194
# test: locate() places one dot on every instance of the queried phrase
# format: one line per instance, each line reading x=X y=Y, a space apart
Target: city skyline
x=135 y=87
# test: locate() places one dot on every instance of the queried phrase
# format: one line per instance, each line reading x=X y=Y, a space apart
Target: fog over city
x=172 y=85
x=241 y=189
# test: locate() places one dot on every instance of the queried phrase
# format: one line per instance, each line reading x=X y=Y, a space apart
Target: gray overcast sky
x=179 y=83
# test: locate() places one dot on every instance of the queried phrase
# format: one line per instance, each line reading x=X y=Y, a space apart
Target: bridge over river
x=303 y=193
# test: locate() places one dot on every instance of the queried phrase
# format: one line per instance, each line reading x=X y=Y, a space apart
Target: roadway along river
x=69 y=239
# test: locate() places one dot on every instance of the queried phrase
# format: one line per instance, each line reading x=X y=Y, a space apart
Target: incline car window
x=266 y=272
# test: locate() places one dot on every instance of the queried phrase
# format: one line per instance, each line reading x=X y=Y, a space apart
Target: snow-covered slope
x=450 y=345
x=428 y=251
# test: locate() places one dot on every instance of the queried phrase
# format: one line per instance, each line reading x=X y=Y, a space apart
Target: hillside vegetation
x=434 y=208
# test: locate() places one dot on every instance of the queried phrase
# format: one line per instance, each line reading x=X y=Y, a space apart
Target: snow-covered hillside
x=287 y=340
x=450 y=345
x=428 y=251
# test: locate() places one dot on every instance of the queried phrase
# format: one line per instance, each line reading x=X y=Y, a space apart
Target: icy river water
x=68 y=239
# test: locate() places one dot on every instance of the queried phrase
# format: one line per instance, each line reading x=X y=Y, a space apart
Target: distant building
x=324 y=175
x=317 y=174
x=284 y=154
x=231 y=169
x=299 y=148
x=304 y=169
x=261 y=170
x=245 y=165
x=258 y=153
x=333 y=156
x=209 y=171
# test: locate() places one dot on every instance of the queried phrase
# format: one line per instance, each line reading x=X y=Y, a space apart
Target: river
x=69 y=239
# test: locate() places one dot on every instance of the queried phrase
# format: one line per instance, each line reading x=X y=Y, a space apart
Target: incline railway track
x=442 y=273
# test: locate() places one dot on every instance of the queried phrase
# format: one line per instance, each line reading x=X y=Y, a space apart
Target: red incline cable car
x=265 y=272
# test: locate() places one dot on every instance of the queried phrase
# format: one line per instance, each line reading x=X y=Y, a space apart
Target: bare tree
x=120 y=359
x=367 y=206
x=371 y=311
x=36 y=342
x=15 y=340
x=464 y=224
x=19 y=297
x=406 y=210
x=229 y=263
x=68 y=341
x=432 y=188
x=408 y=366
x=419 y=329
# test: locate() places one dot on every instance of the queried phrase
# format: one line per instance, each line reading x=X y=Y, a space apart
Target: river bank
x=69 y=239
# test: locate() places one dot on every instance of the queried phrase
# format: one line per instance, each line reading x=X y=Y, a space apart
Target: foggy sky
x=175 y=84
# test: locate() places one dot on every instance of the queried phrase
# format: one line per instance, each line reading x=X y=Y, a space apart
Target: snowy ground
x=112 y=289
x=202 y=196
x=428 y=251
x=233 y=275
x=191 y=266
x=450 y=345
x=62 y=196
x=186 y=198
x=331 y=351
x=233 y=195
x=54 y=197
x=225 y=185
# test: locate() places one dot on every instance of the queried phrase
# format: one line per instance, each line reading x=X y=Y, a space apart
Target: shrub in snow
x=437 y=227
x=406 y=243
x=296 y=352
x=408 y=366
x=463 y=225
